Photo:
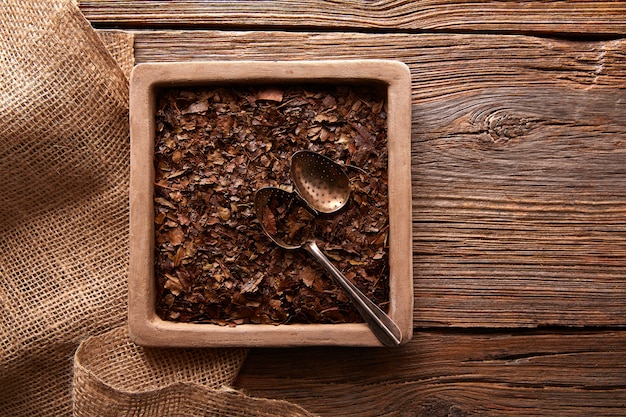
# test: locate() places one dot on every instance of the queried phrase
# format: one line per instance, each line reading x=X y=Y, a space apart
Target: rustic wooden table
x=519 y=195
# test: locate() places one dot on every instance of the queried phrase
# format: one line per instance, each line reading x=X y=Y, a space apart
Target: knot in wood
x=502 y=126
x=439 y=407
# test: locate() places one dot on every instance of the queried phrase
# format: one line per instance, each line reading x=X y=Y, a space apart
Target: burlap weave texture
x=64 y=174
x=113 y=377
x=64 y=170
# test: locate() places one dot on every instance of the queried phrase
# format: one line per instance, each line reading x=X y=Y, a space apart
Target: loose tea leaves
x=285 y=217
x=214 y=148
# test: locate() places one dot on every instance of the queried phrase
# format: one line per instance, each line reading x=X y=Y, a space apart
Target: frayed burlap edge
x=113 y=376
x=120 y=46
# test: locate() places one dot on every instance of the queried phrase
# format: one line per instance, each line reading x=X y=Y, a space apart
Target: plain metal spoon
x=274 y=206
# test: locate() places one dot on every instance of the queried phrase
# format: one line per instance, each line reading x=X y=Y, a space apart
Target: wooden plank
x=573 y=17
x=573 y=373
x=519 y=174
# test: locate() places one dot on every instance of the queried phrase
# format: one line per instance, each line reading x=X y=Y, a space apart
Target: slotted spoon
x=320 y=181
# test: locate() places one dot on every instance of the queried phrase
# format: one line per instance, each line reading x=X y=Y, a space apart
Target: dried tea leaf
x=197 y=107
x=308 y=276
x=223 y=213
x=173 y=284
x=270 y=94
x=176 y=236
x=252 y=284
x=269 y=220
x=164 y=202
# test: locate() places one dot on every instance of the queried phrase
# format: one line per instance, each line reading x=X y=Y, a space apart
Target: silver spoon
x=320 y=181
x=277 y=211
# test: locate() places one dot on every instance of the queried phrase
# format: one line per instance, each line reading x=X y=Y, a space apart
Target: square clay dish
x=146 y=327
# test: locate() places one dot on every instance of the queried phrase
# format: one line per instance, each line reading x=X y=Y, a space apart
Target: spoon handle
x=381 y=324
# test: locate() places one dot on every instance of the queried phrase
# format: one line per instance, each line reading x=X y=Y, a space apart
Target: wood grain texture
x=518 y=156
x=519 y=197
x=563 y=17
x=574 y=373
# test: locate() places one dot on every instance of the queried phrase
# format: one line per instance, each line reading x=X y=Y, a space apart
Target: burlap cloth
x=64 y=173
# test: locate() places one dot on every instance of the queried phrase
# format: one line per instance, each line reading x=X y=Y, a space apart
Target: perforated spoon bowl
x=320 y=181
x=270 y=204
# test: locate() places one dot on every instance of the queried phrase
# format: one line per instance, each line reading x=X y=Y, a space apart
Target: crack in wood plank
x=556 y=18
